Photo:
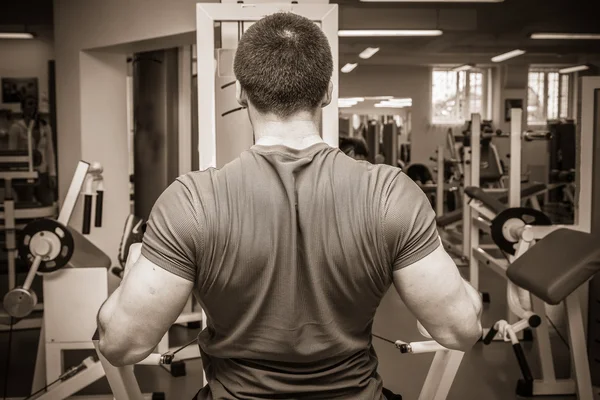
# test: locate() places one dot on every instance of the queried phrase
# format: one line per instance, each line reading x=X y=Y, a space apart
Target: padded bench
x=489 y=200
x=449 y=218
x=557 y=265
x=498 y=202
x=536 y=188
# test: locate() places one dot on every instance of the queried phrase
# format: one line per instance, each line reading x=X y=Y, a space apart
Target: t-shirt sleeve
x=173 y=237
x=409 y=223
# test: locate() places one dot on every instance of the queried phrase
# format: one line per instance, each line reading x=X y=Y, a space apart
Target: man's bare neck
x=293 y=134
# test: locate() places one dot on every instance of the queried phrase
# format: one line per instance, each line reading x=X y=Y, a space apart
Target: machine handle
x=523 y=364
x=99 y=200
x=87 y=214
x=490 y=335
x=536 y=135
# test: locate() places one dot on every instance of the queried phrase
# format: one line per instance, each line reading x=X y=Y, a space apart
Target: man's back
x=295 y=260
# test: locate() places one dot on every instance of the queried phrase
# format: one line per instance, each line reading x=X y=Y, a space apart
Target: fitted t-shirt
x=291 y=252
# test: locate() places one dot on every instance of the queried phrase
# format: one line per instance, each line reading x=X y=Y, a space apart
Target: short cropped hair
x=284 y=64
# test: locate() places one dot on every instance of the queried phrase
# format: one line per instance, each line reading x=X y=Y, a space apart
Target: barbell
x=508 y=225
x=48 y=246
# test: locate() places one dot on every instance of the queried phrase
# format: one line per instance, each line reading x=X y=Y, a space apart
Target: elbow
x=463 y=338
x=117 y=357
x=121 y=354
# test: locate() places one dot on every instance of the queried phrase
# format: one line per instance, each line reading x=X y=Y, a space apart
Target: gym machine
x=514 y=229
x=17 y=167
x=72 y=280
x=564 y=272
x=456 y=241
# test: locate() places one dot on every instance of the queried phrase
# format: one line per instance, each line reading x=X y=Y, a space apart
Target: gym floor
x=487 y=372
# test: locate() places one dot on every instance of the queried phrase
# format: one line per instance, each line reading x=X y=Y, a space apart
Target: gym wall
x=27 y=59
x=91 y=72
x=403 y=82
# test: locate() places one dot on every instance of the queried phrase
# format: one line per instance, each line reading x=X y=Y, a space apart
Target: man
x=41 y=134
x=355 y=147
x=288 y=248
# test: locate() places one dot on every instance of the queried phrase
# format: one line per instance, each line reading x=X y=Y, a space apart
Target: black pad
x=488 y=200
x=526 y=191
x=557 y=265
x=449 y=218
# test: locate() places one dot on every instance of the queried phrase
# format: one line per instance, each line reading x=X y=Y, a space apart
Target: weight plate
x=58 y=231
x=529 y=216
x=20 y=302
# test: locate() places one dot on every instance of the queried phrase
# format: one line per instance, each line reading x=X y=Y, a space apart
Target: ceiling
x=473 y=32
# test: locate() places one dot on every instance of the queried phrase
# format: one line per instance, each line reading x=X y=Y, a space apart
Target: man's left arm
x=137 y=315
x=159 y=278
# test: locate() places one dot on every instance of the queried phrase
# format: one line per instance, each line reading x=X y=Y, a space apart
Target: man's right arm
x=424 y=275
x=447 y=306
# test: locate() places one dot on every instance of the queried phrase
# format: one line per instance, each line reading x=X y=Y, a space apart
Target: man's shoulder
x=18 y=124
x=197 y=180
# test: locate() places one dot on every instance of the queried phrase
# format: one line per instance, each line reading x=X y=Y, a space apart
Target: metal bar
x=441 y=375
x=65 y=389
x=579 y=357
x=559 y=387
x=495 y=190
x=482 y=209
x=10 y=242
x=514 y=192
x=475 y=149
x=585 y=155
x=184 y=109
x=39 y=373
x=481 y=224
x=12 y=175
x=475 y=181
x=330 y=116
x=13 y=159
x=122 y=380
x=439 y=196
x=466 y=221
x=540 y=231
x=542 y=341
x=30 y=144
x=499 y=266
x=426 y=346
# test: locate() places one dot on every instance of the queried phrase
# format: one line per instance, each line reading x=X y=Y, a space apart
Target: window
x=547 y=97
x=457 y=94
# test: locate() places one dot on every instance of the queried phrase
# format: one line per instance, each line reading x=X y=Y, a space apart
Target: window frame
x=485 y=95
x=546 y=72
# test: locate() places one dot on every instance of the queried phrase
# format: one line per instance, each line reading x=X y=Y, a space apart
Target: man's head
x=283 y=65
x=29 y=106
